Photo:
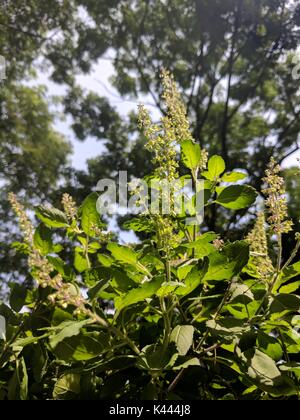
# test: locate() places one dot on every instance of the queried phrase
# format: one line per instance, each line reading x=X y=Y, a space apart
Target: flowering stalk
x=65 y=294
x=276 y=203
x=258 y=242
x=69 y=207
x=42 y=270
x=163 y=139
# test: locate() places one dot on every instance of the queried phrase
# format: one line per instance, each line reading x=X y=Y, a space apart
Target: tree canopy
x=232 y=60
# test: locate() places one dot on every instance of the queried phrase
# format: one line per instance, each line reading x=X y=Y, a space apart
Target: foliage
x=182 y=315
x=33 y=154
x=240 y=110
x=213 y=49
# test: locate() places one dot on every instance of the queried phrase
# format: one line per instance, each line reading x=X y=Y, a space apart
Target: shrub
x=182 y=315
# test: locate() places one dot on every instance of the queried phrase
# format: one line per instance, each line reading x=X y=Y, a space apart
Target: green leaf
x=228 y=327
x=147 y=290
x=284 y=303
x=105 y=260
x=62 y=268
x=291 y=272
x=80 y=262
x=269 y=345
x=233 y=177
x=182 y=336
x=225 y=265
x=238 y=252
x=138 y=224
x=183 y=271
x=156 y=358
x=261 y=366
x=21 y=248
x=193 y=280
x=96 y=275
x=89 y=216
x=23 y=342
x=51 y=217
x=122 y=253
x=191 y=154
x=67 y=387
x=216 y=166
x=262 y=370
x=184 y=364
x=202 y=247
x=66 y=329
x=43 y=239
x=237 y=197
x=290 y=288
x=291 y=367
x=82 y=347
x=18 y=296
x=18 y=385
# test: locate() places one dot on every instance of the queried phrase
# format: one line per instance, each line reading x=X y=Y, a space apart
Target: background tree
x=231 y=59
x=33 y=154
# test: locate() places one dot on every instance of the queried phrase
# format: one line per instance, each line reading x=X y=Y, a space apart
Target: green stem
x=276 y=275
x=279 y=259
x=86 y=252
x=167 y=325
x=114 y=330
x=293 y=255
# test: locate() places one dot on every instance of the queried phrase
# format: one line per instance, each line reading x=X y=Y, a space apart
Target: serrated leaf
x=285 y=303
x=290 y=288
x=191 y=154
x=263 y=372
x=43 y=239
x=18 y=385
x=67 y=387
x=82 y=347
x=269 y=345
x=138 y=224
x=80 y=261
x=182 y=336
x=233 y=177
x=193 y=280
x=147 y=290
x=216 y=166
x=237 y=197
x=291 y=272
x=122 y=253
x=89 y=216
x=23 y=342
x=66 y=329
x=229 y=326
x=51 y=217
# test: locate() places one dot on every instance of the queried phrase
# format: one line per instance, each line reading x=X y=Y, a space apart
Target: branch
x=224 y=127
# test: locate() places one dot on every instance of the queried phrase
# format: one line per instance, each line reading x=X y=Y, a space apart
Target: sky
x=97 y=81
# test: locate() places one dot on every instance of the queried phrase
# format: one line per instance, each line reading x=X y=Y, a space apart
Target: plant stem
x=167 y=325
x=279 y=259
x=293 y=255
x=176 y=380
x=114 y=330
